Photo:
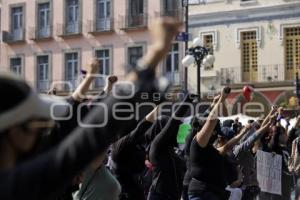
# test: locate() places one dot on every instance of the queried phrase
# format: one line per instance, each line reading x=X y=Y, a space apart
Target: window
x=104 y=57
x=210 y=39
x=292 y=52
x=134 y=54
x=208 y=43
x=172 y=8
x=43 y=20
x=103 y=15
x=249 y=56
x=136 y=7
x=136 y=16
x=172 y=63
x=72 y=16
x=43 y=73
x=17 y=23
x=170 y=4
x=16 y=66
x=71 y=69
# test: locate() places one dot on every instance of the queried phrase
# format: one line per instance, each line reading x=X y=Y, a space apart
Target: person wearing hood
x=128 y=156
x=167 y=167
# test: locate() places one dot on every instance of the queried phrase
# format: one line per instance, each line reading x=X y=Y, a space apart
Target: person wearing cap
x=43 y=176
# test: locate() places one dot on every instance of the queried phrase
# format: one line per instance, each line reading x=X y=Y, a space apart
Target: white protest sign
x=269 y=172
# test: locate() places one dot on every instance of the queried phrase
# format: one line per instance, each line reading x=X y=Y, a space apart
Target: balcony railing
x=177 y=14
x=134 y=21
x=265 y=73
x=43 y=86
x=230 y=75
x=271 y=73
x=100 y=25
x=17 y=35
x=69 y=29
x=40 y=33
x=61 y=86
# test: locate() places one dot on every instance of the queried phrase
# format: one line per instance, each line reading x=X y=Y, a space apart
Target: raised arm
x=292 y=134
x=247 y=144
x=139 y=132
x=81 y=90
x=203 y=136
x=234 y=141
x=160 y=30
x=47 y=173
x=152 y=116
x=110 y=81
x=170 y=130
x=270 y=114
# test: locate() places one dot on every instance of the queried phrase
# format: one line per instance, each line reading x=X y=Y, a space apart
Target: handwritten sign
x=269 y=172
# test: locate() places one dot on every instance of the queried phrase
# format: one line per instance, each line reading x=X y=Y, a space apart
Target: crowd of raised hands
x=83 y=147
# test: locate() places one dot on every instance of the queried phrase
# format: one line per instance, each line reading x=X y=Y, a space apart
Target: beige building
x=255 y=42
x=50 y=41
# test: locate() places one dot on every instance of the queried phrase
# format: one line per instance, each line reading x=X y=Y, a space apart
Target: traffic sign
x=182 y=37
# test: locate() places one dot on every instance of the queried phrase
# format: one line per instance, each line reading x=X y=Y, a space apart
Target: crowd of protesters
x=83 y=148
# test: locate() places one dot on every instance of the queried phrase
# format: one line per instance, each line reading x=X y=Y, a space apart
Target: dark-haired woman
x=167 y=166
x=208 y=165
x=211 y=168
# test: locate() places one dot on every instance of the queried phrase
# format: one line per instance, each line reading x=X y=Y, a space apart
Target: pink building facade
x=49 y=41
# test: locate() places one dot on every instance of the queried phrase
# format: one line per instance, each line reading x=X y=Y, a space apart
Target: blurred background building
x=255 y=42
x=48 y=41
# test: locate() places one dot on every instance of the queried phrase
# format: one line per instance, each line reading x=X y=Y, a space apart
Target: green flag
x=183 y=131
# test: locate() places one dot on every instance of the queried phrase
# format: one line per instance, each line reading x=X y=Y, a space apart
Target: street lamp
x=198 y=55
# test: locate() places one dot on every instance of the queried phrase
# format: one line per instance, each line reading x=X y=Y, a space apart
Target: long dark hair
x=156 y=128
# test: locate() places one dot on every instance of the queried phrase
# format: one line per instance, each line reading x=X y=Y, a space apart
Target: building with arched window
x=255 y=42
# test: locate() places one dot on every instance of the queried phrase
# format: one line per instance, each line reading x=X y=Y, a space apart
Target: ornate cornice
x=291 y=10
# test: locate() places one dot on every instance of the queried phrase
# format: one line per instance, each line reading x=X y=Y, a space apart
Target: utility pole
x=185 y=4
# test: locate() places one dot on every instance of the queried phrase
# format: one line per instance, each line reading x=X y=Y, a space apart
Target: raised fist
x=93 y=67
x=163 y=32
x=112 y=79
